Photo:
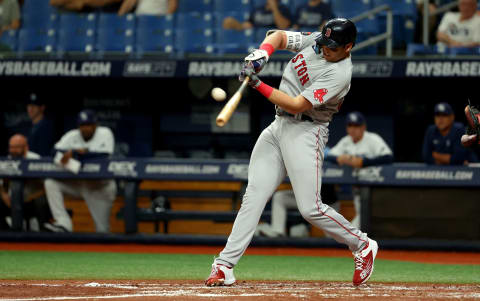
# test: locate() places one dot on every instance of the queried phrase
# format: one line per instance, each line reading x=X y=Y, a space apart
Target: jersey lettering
x=300 y=56
x=301 y=72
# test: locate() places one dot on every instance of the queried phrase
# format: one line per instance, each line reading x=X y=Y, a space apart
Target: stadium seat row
x=197 y=27
x=245 y=6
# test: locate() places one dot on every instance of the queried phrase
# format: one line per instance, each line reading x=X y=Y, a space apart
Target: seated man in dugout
x=89 y=140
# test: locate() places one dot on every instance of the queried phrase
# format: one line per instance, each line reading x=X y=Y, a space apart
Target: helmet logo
x=328 y=32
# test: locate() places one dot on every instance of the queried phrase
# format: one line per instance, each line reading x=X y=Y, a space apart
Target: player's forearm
x=278 y=40
x=293 y=105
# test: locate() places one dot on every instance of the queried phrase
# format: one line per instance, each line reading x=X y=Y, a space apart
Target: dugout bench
x=233 y=190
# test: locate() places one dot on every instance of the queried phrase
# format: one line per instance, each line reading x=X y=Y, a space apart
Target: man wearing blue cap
x=441 y=145
x=360 y=148
x=88 y=141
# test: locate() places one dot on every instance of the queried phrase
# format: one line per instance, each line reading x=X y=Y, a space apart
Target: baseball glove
x=472 y=115
x=473 y=120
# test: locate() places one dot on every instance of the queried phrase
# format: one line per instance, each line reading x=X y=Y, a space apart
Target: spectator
x=9 y=15
x=282 y=201
x=36 y=208
x=149 y=7
x=272 y=14
x=360 y=148
x=87 y=5
x=441 y=145
x=460 y=29
x=88 y=141
x=313 y=14
x=41 y=135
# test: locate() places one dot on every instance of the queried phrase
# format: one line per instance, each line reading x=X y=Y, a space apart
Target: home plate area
x=244 y=290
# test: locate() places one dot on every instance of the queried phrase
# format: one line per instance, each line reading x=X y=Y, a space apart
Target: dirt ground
x=36 y=290
x=244 y=290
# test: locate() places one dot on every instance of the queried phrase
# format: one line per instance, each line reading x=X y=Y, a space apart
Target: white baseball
x=219 y=94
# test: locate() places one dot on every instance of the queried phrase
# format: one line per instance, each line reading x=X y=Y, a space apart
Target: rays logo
x=369 y=174
x=123 y=168
x=239 y=171
x=10 y=167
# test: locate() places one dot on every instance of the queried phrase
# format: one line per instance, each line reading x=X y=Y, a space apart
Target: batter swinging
x=312 y=89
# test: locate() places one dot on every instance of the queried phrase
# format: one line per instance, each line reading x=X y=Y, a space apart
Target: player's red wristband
x=265 y=89
x=268 y=48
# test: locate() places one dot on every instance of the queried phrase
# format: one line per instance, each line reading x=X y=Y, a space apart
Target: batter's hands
x=248 y=70
x=258 y=58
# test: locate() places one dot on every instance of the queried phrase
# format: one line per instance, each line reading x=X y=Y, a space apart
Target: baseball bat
x=231 y=104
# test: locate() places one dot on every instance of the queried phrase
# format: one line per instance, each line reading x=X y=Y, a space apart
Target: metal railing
x=426 y=16
x=380 y=37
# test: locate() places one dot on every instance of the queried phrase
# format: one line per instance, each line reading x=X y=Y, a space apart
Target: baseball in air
x=219 y=94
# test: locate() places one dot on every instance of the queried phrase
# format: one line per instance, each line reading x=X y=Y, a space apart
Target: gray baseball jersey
x=290 y=145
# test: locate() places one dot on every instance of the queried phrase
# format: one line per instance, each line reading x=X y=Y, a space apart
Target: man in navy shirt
x=441 y=145
x=312 y=16
x=41 y=135
x=271 y=15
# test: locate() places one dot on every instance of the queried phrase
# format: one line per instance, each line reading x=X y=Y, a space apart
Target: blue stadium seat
x=287 y=3
x=194 y=41
x=39 y=20
x=297 y=3
x=194 y=20
x=36 y=40
x=353 y=7
x=154 y=40
x=414 y=49
x=399 y=7
x=239 y=6
x=9 y=40
x=370 y=50
x=71 y=21
x=78 y=40
x=404 y=18
x=114 y=21
x=369 y=25
x=114 y=39
x=454 y=51
x=145 y=22
x=37 y=7
x=233 y=41
x=195 y=6
x=260 y=34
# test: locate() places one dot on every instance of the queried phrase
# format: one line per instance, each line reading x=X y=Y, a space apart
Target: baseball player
x=88 y=141
x=312 y=89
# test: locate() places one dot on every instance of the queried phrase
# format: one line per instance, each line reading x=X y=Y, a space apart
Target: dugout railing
x=385 y=36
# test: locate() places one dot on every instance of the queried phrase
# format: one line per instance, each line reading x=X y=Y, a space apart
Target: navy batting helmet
x=337 y=32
